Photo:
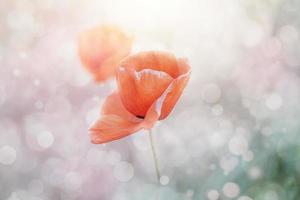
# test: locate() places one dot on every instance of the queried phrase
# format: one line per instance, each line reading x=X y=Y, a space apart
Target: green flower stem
x=154 y=155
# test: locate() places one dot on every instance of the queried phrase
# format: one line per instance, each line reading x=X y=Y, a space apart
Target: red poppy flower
x=101 y=49
x=149 y=85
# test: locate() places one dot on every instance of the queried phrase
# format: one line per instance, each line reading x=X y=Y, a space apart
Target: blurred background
x=234 y=134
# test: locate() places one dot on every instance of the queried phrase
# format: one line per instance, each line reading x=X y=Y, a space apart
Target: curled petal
x=155 y=60
x=139 y=90
x=114 y=106
x=112 y=127
x=116 y=122
x=172 y=96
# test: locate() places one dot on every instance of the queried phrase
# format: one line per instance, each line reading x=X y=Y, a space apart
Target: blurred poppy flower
x=102 y=48
x=149 y=85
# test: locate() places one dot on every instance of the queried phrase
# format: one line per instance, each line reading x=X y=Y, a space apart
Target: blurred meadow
x=234 y=134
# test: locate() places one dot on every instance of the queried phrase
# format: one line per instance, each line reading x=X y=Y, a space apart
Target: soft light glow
x=213 y=195
x=45 y=139
x=238 y=145
x=8 y=155
x=274 y=101
x=123 y=171
x=211 y=93
x=231 y=190
x=164 y=180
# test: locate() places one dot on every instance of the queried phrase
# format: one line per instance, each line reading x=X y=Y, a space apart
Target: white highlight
x=255 y=173
x=45 y=139
x=231 y=190
x=218 y=139
x=38 y=105
x=213 y=195
x=253 y=34
x=72 y=181
x=190 y=193
x=211 y=93
x=164 y=180
x=228 y=164
x=95 y=157
x=248 y=156
x=159 y=74
x=217 y=110
x=140 y=140
x=274 y=101
x=288 y=34
x=113 y=157
x=8 y=155
x=238 y=145
x=123 y=171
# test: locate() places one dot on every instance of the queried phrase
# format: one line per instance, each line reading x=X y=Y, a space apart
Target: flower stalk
x=154 y=155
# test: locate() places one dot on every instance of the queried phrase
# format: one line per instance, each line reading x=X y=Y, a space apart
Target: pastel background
x=234 y=134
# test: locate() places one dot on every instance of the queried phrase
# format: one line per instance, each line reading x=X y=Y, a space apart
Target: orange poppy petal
x=172 y=96
x=138 y=90
x=155 y=60
x=114 y=106
x=101 y=48
x=116 y=122
x=151 y=117
x=112 y=127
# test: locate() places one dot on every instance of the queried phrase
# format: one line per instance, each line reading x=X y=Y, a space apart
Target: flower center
x=140 y=116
